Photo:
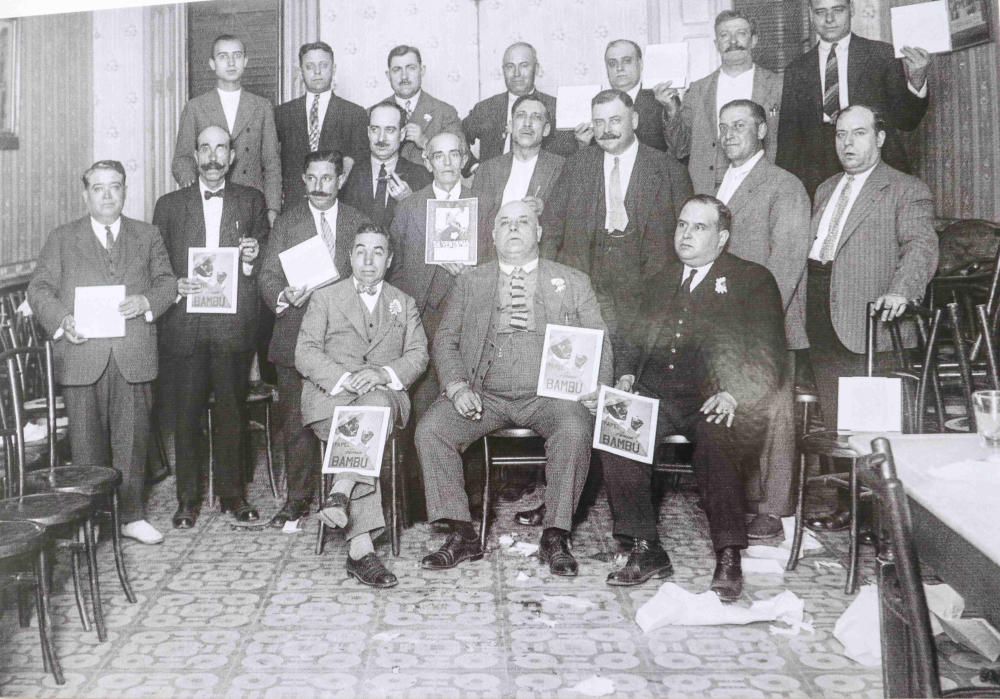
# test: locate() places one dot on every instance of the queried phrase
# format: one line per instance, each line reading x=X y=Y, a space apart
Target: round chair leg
x=95 y=583
x=321 y=529
x=394 y=498
x=486 y=494
x=852 y=572
x=800 y=499
x=211 y=461
x=268 y=453
x=74 y=563
x=116 y=542
x=45 y=618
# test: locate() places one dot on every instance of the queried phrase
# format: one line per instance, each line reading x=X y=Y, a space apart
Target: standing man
x=844 y=69
x=211 y=352
x=246 y=117
x=692 y=127
x=874 y=241
x=319 y=120
x=426 y=116
x=320 y=214
x=378 y=182
x=107 y=383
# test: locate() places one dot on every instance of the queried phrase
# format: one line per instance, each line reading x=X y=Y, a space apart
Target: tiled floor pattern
x=254 y=614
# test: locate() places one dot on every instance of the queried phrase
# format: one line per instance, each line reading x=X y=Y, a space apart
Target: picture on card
x=571 y=361
x=452 y=231
x=357 y=440
x=218 y=270
x=626 y=424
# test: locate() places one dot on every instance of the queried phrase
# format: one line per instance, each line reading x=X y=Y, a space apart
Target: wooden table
x=956 y=524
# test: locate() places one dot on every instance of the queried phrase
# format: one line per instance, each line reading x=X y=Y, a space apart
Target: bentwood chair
x=490 y=460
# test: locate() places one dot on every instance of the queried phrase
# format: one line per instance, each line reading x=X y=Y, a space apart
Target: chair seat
x=514 y=433
x=828 y=443
x=47 y=509
x=19 y=538
x=91 y=481
x=43 y=403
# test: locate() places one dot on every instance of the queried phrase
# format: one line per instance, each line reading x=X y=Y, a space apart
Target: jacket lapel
x=195 y=216
x=552 y=300
x=710 y=94
x=385 y=299
x=242 y=115
x=217 y=115
x=744 y=193
x=870 y=193
x=351 y=306
x=482 y=304
x=91 y=250
x=671 y=272
x=229 y=235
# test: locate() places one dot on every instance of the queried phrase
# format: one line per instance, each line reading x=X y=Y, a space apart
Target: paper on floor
x=524 y=548
x=762 y=566
x=943 y=603
x=857 y=629
x=946 y=607
x=784 y=549
x=672 y=605
x=595 y=686
x=291 y=527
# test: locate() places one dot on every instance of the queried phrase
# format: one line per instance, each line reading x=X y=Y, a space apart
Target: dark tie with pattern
x=518 y=300
x=380 y=190
x=370 y=289
x=328 y=235
x=314 y=124
x=686 y=284
x=831 y=95
x=109 y=238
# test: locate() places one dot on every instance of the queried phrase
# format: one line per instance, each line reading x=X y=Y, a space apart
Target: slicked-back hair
x=727 y=15
x=390 y=105
x=227 y=37
x=756 y=111
x=402 y=50
x=531 y=98
x=534 y=53
x=335 y=157
x=878 y=121
x=635 y=46
x=103 y=165
x=314 y=46
x=724 y=217
x=610 y=95
x=373 y=228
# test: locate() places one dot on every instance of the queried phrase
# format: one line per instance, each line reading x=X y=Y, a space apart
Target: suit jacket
x=651 y=117
x=295 y=225
x=487 y=123
x=255 y=143
x=462 y=335
x=344 y=129
x=491 y=178
x=887 y=246
x=333 y=341
x=693 y=132
x=875 y=78
x=771 y=227
x=433 y=116
x=358 y=192
x=73 y=257
x=181 y=220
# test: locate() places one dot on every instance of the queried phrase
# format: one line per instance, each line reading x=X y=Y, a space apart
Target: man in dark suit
x=426 y=116
x=319 y=120
x=211 y=352
x=107 y=382
x=843 y=69
x=487 y=355
x=321 y=214
x=711 y=348
x=378 y=182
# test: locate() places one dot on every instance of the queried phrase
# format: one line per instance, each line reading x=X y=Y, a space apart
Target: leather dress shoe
x=554 y=550
x=336 y=511
x=531 y=518
x=185 y=516
x=289 y=512
x=836 y=521
x=727 y=581
x=455 y=550
x=241 y=510
x=515 y=490
x=764 y=526
x=646 y=560
x=370 y=571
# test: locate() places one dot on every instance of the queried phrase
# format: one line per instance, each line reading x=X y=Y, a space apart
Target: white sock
x=361 y=546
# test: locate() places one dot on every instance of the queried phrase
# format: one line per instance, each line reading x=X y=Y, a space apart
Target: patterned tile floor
x=254 y=614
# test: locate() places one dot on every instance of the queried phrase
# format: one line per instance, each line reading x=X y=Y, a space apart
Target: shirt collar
x=527 y=267
x=842 y=44
x=323 y=96
x=229 y=94
x=748 y=165
x=453 y=193
x=98 y=227
x=331 y=212
x=634 y=92
x=358 y=284
x=390 y=164
x=627 y=154
x=702 y=271
x=861 y=177
x=401 y=101
x=745 y=75
x=203 y=188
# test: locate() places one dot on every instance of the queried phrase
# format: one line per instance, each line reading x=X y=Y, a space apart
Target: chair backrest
x=13 y=416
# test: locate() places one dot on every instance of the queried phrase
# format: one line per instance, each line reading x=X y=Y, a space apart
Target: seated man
x=488 y=362
x=711 y=348
x=361 y=343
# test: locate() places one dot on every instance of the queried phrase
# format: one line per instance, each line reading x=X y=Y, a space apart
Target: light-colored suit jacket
x=771 y=227
x=887 y=246
x=255 y=143
x=433 y=116
x=72 y=257
x=693 y=132
x=333 y=341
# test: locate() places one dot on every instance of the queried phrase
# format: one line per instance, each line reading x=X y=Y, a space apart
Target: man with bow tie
x=361 y=343
x=710 y=346
x=211 y=353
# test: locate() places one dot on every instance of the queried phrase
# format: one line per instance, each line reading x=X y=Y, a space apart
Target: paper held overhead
x=923 y=26
x=573 y=105
x=665 y=63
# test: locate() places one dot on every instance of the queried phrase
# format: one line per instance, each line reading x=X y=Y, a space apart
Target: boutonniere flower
x=395 y=308
x=720 y=285
x=427 y=118
x=559 y=284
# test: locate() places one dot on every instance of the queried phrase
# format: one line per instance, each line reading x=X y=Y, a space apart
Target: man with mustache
x=211 y=353
x=319 y=214
x=692 y=127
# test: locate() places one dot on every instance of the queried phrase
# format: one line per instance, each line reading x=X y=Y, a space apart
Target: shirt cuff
x=394 y=383
x=921 y=93
x=148 y=315
x=339 y=386
x=58 y=333
x=454 y=387
x=247 y=269
x=282 y=305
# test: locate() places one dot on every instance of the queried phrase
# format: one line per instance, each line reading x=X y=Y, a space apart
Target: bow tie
x=217 y=193
x=370 y=289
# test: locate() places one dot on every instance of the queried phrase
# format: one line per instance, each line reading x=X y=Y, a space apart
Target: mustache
x=318 y=193
x=381 y=144
x=212 y=166
x=609 y=136
x=735 y=47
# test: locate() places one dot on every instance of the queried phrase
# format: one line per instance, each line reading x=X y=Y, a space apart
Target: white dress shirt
x=734 y=177
x=212 y=209
x=370 y=301
x=831 y=204
x=453 y=193
x=390 y=167
x=324 y=102
x=230 y=105
x=412 y=100
x=634 y=92
x=519 y=180
x=699 y=276
x=626 y=163
x=527 y=267
x=102 y=235
x=730 y=87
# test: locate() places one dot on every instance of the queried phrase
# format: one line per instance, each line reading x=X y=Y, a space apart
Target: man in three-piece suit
x=361 y=343
x=692 y=127
x=211 y=352
x=107 y=382
x=711 y=347
x=770 y=211
x=874 y=240
x=844 y=69
x=246 y=117
x=320 y=214
x=378 y=182
x=487 y=355
x=426 y=116
x=319 y=120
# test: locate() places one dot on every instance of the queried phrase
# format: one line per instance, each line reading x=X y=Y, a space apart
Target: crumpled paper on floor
x=34 y=432
x=762 y=566
x=784 y=549
x=946 y=607
x=857 y=629
x=595 y=686
x=520 y=547
x=672 y=605
x=291 y=527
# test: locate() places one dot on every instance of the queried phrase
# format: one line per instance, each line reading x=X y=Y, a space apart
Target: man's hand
x=189 y=285
x=367 y=379
x=584 y=133
x=271 y=216
x=625 y=383
x=915 y=63
x=414 y=132
x=133 y=306
x=668 y=97
x=296 y=295
x=468 y=404
x=68 y=326
x=891 y=305
x=719 y=407
x=536 y=204
x=589 y=401
x=453 y=268
x=187 y=183
x=397 y=187
x=249 y=248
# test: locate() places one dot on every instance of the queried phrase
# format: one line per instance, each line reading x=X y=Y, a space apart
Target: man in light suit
x=487 y=355
x=323 y=215
x=361 y=343
x=692 y=126
x=526 y=172
x=107 y=382
x=874 y=241
x=770 y=211
x=426 y=116
x=211 y=351
x=246 y=117
x=378 y=182
x=319 y=120
x=864 y=72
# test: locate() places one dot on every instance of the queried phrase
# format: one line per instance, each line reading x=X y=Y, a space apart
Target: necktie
x=217 y=193
x=686 y=284
x=617 y=218
x=380 y=190
x=328 y=235
x=314 y=124
x=109 y=238
x=409 y=109
x=518 y=300
x=829 y=249
x=831 y=96
x=370 y=289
